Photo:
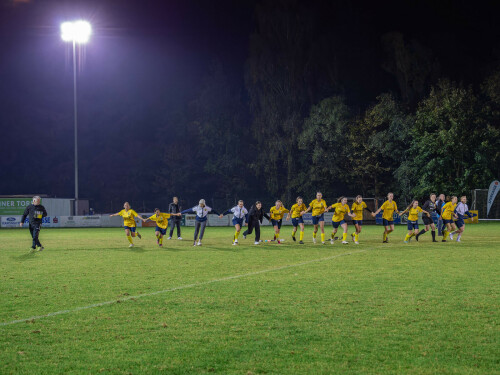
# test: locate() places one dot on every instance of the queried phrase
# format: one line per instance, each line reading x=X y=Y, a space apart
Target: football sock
x=344 y=236
x=407 y=237
x=445 y=234
x=412 y=235
x=277 y=236
x=322 y=237
x=332 y=235
x=130 y=239
x=293 y=234
x=314 y=234
x=301 y=235
x=356 y=237
x=354 y=234
x=385 y=236
x=458 y=237
x=421 y=232
x=236 y=234
x=433 y=235
x=160 y=240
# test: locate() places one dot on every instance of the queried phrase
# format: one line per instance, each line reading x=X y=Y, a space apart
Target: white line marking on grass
x=178 y=288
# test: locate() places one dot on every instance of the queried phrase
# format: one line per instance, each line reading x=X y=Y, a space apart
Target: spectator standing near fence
x=175 y=208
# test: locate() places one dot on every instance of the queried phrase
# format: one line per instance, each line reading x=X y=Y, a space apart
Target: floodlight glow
x=76 y=31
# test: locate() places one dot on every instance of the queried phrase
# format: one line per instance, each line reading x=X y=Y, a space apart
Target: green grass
x=418 y=308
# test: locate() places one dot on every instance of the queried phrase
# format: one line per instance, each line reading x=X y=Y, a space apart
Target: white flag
x=492 y=193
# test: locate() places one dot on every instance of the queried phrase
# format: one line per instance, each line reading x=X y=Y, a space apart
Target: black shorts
x=427 y=220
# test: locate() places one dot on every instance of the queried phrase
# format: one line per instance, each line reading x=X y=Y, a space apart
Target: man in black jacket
x=254 y=219
x=174 y=208
x=35 y=213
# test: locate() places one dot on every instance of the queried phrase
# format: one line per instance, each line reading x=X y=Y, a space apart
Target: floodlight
x=76 y=31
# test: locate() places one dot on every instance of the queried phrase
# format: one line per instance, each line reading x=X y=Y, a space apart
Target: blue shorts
x=412 y=225
x=387 y=222
x=238 y=221
x=161 y=230
x=460 y=223
x=276 y=223
x=317 y=219
x=337 y=223
x=359 y=222
x=296 y=221
x=448 y=221
x=132 y=229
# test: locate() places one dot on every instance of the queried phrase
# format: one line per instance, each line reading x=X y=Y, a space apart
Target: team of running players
x=450 y=212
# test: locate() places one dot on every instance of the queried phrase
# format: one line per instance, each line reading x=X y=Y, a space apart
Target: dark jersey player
x=431 y=206
x=35 y=213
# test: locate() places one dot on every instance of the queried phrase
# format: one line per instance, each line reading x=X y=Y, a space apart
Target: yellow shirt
x=357 y=209
x=296 y=210
x=277 y=213
x=413 y=213
x=318 y=207
x=128 y=217
x=447 y=210
x=161 y=220
x=340 y=211
x=389 y=208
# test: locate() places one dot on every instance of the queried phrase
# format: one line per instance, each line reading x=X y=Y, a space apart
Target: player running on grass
x=447 y=213
x=413 y=210
x=255 y=216
x=201 y=211
x=431 y=207
x=357 y=208
x=277 y=212
x=161 y=220
x=340 y=209
x=239 y=214
x=35 y=213
x=129 y=225
x=389 y=207
x=461 y=210
x=318 y=207
x=297 y=220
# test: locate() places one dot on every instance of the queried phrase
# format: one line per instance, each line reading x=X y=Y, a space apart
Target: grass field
x=373 y=308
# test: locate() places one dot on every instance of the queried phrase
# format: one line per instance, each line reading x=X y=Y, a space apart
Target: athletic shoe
x=131 y=245
x=405 y=241
x=161 y=245
x=293 y=237
x=236 y=242
x=194 y=243
x=443 y=240
x=345 y=242
x=139 y=235
x=335 y=238
x=169 y=238
x=323 y=242
x=357 y=243
x=32 y=249
x=314 y=240
x=41 y=248
x=451 y=236
x=434 y=241
x=301 y=242
x=385 y=241
x=245 y=236
x=279 y=242
x=458 y=240
x=352 y=236
x=331 y=241
x=199 y=243
x=179 y=238
x=256 y=243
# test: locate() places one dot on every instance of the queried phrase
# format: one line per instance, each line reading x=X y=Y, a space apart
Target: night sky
x=147 y=59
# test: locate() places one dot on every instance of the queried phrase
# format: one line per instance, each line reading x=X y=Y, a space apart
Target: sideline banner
x=475 y=217
x=13 y=222
x=80 y=221
x=13 y=206
x=492 y=193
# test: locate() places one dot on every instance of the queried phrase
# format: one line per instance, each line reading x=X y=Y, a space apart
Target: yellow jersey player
x=276 y=213
x=357 y=209
x=448 y=213
x=318 y=207
x=389 y=207
x=413 y=210
x=297 y=220
x=129 y=216
x=161 y=219
x=340 y=209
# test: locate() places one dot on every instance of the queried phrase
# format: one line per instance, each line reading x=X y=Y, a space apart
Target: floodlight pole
x=76 y=128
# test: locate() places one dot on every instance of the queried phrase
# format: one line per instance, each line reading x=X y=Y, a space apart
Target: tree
x=452 y=144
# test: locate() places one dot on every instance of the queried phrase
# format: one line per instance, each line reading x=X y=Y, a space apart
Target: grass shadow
x=24 y=257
